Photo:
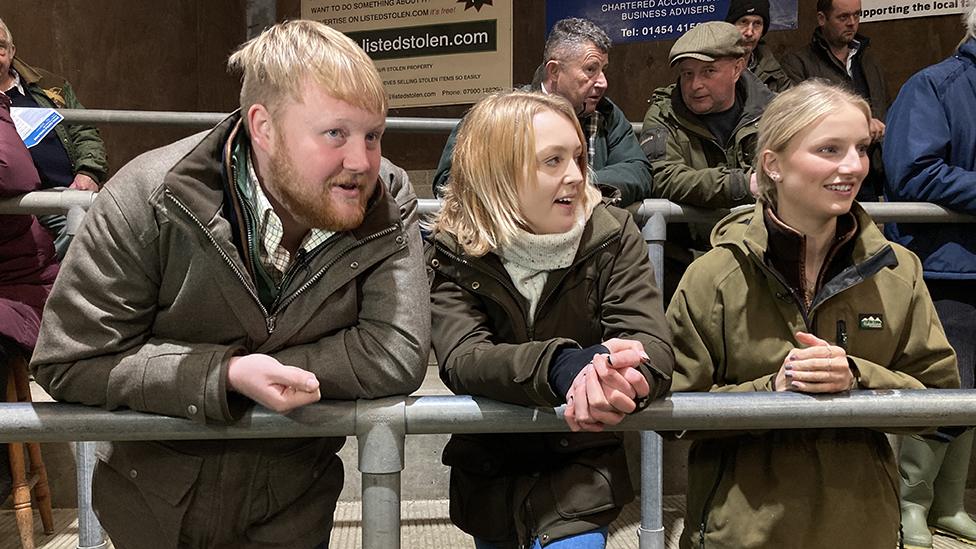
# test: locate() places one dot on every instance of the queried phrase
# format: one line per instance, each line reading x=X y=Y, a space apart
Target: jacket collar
x=28 y=74
x=968 y=50
x=819 y=44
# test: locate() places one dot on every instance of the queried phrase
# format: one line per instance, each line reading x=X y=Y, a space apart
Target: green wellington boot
x=919 y=461
x=947 y=514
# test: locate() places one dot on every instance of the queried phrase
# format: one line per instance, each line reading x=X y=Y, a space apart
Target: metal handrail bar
x=47 y=202
x=209 y=119
x=59 y=422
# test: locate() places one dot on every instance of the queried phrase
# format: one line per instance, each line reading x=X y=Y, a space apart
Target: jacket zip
x=240 y=276
x=270 y=318
x=708 y=501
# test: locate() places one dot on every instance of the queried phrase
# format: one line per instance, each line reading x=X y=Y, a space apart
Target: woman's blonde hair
x=278 y=63
x=790 y=113
x=493 y=157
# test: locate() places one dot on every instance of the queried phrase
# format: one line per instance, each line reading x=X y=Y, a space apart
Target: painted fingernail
x=788 y=367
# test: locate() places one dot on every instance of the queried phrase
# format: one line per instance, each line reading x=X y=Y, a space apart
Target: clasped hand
x=818 y=368
x=606 y=389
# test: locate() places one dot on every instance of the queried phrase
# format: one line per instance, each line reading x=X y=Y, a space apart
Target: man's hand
x=877 y=130
x=84 y=183
x=819 y=368
x=272 y=384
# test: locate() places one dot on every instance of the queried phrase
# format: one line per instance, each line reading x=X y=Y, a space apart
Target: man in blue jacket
x=930 y=156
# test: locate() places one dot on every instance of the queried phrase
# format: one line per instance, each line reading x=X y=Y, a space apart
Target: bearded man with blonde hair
x=276 y=260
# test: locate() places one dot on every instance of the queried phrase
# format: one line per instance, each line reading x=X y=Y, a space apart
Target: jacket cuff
x=567 y=363
x=738 y=188
x=225 y=405
x=97 y=176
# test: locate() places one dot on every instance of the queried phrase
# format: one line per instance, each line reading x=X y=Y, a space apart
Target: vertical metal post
x=651 y=531
x=380 y=431
x=90 y=534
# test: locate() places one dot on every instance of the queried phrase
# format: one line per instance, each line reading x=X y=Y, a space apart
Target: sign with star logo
x=428 y=52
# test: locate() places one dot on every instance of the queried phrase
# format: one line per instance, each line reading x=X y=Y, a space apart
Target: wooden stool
x=19 y=391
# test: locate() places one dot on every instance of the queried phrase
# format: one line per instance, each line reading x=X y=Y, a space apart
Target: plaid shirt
x=591 y=127
x=273 y=256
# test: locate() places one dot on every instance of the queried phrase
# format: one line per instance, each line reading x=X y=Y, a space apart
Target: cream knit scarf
x=529 y=258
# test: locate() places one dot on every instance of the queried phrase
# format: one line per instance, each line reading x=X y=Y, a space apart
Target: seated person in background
x=930 y=156
x=27 y=265
x=541 y=294
x=751 y=17
x=803 y=293
x=72 y=155
x=275 y=259
x=838 y=54
x=700 y=133
x=576 y=54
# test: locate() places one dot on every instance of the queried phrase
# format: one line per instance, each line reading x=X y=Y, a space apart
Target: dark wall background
x=171 y=54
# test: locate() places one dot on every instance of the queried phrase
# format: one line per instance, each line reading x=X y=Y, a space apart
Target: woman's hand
x=607 y=388
x=818 y=368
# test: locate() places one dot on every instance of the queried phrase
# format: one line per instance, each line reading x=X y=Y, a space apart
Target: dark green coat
x=689 y=165
x=550 y=485
x=733 y=321
x=768 y=70
x=82 y=142
x=617 y=161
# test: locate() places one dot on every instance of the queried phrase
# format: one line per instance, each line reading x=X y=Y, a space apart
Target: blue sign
x=643 y=20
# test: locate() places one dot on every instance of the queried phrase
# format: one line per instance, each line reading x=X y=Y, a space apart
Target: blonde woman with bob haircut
x=541 y=295
x=803 y=293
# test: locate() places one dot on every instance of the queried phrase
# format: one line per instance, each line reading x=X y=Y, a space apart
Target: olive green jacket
x=154 y=298
x=84 y=145
x=768 y=70
x=550 y=485
x=733 y=319
x=688 y=164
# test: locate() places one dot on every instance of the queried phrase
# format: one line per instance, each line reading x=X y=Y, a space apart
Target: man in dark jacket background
x=751 y=17
x=930 y=156
x=575 y=56
x=838 y=54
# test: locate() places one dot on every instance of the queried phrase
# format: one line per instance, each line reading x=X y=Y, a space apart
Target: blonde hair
x=277 y=64
x=969 y=21
x=10 y=37
x=493 y=157
x=790 y=113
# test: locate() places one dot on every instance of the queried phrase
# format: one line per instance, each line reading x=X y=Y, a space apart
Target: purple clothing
x=27 y=261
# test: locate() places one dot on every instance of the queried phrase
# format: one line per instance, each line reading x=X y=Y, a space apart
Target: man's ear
x=740 y=65
x=821 y=18
x=261 y=127
x=552 y=70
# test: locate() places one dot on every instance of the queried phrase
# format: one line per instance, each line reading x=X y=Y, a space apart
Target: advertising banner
x=428 y=52
x=883 y=10
x=644 y=20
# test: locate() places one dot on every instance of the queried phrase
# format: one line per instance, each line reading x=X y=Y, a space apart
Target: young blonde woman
x=541 y=295
x=803 y=293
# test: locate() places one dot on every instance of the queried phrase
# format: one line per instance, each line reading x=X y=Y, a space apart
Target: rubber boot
x=919 y=461
x=947 y=514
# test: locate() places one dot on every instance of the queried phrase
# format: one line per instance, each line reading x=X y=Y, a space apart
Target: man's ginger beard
x=311 y=203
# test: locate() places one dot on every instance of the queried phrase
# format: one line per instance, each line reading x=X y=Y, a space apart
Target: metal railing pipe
x=204 y=120
x=47 y=202
x=380 y=431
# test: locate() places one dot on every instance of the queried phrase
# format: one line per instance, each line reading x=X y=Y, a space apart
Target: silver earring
x=774 y=176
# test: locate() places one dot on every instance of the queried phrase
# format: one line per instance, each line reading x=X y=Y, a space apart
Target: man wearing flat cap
x=700 y=133
x=751 y=17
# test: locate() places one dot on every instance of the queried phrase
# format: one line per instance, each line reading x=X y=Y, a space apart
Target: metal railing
x=380 y=426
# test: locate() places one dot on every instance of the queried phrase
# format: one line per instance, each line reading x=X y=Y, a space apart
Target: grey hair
x=3 y=27
x=569 y=35
x=970 y=21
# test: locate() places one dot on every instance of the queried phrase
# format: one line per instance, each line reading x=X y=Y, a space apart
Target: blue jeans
x=594 y=539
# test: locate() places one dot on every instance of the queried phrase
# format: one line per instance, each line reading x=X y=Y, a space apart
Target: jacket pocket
x=593 y=482
x=483 y=505
x=160 y=477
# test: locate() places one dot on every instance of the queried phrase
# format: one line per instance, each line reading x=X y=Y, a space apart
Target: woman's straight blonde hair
x=493 y=157
x=791 y=112
x=278 y=63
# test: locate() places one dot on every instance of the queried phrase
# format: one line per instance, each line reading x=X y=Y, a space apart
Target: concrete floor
x=424 y=525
